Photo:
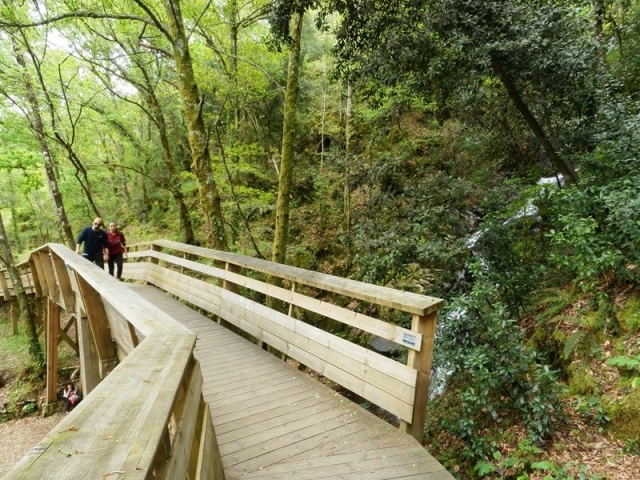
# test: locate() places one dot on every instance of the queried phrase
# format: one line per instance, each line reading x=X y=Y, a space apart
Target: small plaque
x=409 y=339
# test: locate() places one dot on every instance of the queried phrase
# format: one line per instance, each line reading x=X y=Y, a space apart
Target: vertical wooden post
x=15 y=316
x=99 y=325
x=4 y=285
x=421 y=361
x=293 y=289
x=89 y=361
x=154 y=261
x=53 y=325
x=155 y=248
x=232 y=287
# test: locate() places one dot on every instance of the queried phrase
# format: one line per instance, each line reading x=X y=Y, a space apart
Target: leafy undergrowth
x=593 y=341
x=18 y=384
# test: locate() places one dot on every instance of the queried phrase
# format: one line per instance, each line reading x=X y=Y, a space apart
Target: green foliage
x=597 y=232
x=591 y=409
x=517 y=464
x=563 y=472
x=631 y=364
x=496 y=378
x=629 y=316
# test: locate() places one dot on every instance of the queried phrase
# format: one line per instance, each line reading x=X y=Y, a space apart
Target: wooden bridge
x=172 y=394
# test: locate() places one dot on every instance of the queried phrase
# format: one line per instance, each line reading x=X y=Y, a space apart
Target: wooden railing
x=400 y=389
x=143 y=415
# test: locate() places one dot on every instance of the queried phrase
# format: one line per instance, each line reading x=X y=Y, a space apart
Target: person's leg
x=118 y=260
x=111 y=263
x=99 y=260
x=67 y=404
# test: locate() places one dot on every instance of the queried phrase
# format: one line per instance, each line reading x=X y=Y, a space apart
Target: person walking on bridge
x=96 y=243
x=117 y=249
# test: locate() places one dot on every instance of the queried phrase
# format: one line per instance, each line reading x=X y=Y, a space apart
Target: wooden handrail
x=388 y=331
x=389 y=297
x=143 y=414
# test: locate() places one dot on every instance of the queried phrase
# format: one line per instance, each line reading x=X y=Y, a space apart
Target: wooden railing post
x=15 y=316
x=53 y=325
x=421 y=361
x=4 y=285
x=89 y=361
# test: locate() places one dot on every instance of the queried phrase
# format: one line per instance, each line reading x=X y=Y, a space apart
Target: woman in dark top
x=117 y=249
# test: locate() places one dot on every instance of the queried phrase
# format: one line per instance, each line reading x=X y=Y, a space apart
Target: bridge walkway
x=275 y=422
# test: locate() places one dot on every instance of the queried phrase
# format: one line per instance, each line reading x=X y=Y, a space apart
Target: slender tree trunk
x=232 y=8
x=192 y=104
x=288 y=136
x=26 y=315
x=169 y=161
x=347 y=189
x=561 y=164
x=38 y=126
x=598 y=15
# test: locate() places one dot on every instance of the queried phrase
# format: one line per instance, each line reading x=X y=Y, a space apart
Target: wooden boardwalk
x=274 y=422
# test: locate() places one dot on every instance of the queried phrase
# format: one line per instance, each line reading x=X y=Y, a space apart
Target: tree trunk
x=561 y=164
x=26 y=315
x=192 y=103
x=288 y=136
x=38 y=126
x=347 y=189
x=598 y=14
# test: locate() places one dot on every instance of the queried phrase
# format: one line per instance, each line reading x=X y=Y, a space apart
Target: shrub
x=496 y=378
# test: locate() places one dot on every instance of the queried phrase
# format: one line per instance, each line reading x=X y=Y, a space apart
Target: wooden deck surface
x=274 y=422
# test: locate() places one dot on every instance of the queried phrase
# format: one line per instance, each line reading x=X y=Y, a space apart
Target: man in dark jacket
x=96 y=243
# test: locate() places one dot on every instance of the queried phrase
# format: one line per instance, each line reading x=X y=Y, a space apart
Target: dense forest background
x=485 y=152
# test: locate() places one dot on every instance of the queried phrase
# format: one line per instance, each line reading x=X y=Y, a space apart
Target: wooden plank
x=108 y=432
x=67 y=299
x=264 y=424
x=37 y=282
x=144 y=316
x=387 y=389
x=236 y=451
x=334 y=351
x=89 y=360
x=4 y=286
x=46 y=267
x=209 y=461
x=53 y=326
x=405 y=301
x=186 y=413
x=272 y=409
x=230 y=414
x=257 y=315
x=359 y=432
x=370 y=462
x=421 y=361
x=394 y=333
x=98 y=323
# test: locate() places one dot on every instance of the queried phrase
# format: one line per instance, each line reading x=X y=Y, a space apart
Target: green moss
x=581 y=379
x=619 y=348
x=595 y=321
x=625 y=416
x=629 y=316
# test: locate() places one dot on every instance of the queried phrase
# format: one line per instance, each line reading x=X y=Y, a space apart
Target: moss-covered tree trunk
x=26 y=314
x=192 y=103
x=38 y=128
x=288 y=136
x=564 y=166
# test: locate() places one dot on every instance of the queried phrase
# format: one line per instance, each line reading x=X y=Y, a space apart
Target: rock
x=382 y=345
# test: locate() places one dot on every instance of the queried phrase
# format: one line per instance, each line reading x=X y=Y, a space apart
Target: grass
x=14 y=356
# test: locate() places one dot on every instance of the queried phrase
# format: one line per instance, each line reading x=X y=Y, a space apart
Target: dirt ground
x=17 y=437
